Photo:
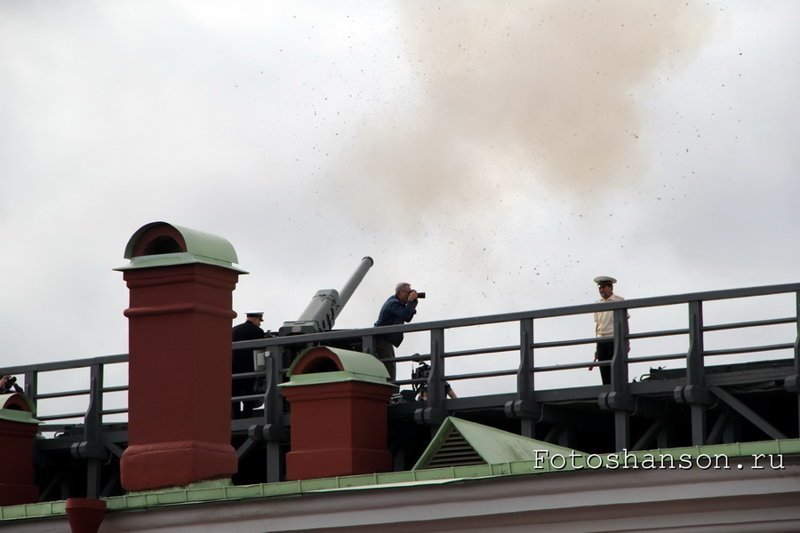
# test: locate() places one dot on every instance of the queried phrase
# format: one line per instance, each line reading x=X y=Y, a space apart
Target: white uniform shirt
x=604 y=320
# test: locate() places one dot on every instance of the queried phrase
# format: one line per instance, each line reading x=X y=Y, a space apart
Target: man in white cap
x=604 y=326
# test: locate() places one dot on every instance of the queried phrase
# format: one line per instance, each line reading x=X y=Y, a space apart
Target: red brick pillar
x=17 y=439
x=180 y=368
x=339 y=407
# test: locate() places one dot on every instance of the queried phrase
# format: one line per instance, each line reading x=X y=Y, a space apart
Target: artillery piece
x=319 y=316
x=270 y=429
x=321 y=313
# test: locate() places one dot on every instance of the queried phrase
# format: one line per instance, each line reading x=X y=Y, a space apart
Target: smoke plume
x=517 y=97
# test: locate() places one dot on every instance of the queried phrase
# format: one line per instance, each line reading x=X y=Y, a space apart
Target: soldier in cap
x=604 y=326
x=243 y=362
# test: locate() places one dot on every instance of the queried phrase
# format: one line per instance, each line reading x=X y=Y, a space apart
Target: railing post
x=91 y=448
x=368 y=344
x=273 y=432
x=792 y=383
x=434 y=413
x=797 y=358
x=32 y=387
x=694 y=393
x=619 y=363
x=619 y=400
x=94 y=433
x=524 y=408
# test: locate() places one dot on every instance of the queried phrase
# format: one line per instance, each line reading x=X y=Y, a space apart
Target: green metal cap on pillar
x=169 y=245
x=332 y=365
x=181 y=285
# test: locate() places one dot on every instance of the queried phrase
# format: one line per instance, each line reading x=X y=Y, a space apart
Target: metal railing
x=527 y=346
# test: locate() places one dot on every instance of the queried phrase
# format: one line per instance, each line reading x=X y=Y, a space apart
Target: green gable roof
x=459 y=442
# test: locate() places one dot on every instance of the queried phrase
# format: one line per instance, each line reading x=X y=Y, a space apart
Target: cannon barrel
x=325 y=306
x=352 y=284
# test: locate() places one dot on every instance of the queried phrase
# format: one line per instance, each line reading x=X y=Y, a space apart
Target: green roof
x=217 y=491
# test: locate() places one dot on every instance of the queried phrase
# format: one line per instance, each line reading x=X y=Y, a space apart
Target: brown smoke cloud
x=516 y=96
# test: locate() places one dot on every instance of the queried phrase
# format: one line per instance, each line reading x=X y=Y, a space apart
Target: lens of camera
x=420 y=295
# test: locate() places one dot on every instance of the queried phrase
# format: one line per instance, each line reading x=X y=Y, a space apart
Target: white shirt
x=604 y=320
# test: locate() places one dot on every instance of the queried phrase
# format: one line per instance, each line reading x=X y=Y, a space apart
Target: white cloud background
x=498 y=156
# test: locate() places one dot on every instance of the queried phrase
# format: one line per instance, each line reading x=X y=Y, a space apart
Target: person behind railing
x=604 y=326
x=422 y=372
x=242 y=361
x=8 y=385
x=397 y=309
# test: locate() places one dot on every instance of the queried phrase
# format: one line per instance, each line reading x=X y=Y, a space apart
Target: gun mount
x=325 y=306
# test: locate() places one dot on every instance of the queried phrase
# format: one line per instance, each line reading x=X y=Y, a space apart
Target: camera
x=421 y=372
x=420 y=294
x=11 y=379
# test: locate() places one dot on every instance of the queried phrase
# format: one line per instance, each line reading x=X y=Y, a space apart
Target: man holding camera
x=398 y=309
x=8 y=385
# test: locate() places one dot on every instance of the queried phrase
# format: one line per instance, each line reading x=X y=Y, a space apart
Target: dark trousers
x=605 y=352
x=385 y=350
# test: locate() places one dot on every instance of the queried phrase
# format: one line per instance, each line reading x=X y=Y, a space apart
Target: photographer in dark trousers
x=398 y=309
x=8 y=385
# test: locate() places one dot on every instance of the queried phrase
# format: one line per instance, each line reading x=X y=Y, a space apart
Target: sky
x=498 y=155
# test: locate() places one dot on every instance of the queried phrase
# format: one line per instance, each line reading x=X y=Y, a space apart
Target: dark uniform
x=243 y=362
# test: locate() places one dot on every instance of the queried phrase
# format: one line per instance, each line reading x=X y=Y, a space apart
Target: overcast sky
x=497 y=155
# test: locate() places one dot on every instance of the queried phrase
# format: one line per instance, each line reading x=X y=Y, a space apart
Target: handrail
x=69 y=364
x=441 y=353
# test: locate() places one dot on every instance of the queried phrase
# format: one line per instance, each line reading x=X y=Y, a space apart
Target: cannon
x=325 y=306
x=319 y=316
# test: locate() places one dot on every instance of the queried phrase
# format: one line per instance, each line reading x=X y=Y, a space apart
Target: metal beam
x=649 y=435
x=738 y=406
x=717 y=430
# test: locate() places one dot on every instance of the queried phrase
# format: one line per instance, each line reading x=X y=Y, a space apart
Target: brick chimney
x=17 y=439
x=181 y=283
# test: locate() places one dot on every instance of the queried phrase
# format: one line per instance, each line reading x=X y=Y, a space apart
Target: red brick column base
x=338 y=429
